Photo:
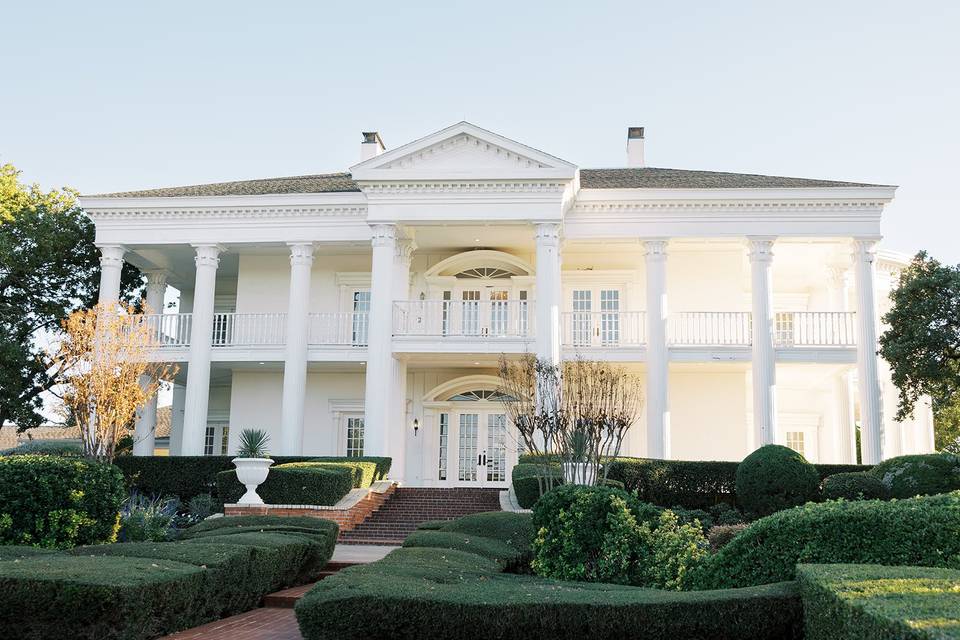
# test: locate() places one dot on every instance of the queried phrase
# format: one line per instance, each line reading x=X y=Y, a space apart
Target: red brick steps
x=288 y=597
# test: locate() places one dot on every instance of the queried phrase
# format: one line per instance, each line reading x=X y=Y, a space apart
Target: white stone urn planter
x=582 y=473
x=251 y=472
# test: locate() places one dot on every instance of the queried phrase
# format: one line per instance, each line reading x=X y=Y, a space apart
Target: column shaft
x=144 y=438
x=111 y=266
x=295 y=361
x=380 y=373
x=764 y=363
x=868 y=383
x=548 y=292
x=658 y=412
x=201 y=336
x=398 y=432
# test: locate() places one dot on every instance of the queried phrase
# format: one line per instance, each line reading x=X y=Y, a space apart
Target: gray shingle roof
x=621 y=178
x=654 y=178
x=320 y=183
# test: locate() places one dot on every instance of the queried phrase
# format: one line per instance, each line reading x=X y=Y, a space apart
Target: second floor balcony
x=508 y=325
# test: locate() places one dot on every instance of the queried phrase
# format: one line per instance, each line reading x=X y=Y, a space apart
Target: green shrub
x=138 y=591
x=919 y=475
x=462 y=595
x=860 y=485
x=57 y=502
x=721 y=535
x=526 y=485
x=188 y=476
x=616 y=548
x=147 y=519
x=775 y=477
x=853 y=602
x=320 y=483
x=45 y=448
x=502 y=537
x=915 y=531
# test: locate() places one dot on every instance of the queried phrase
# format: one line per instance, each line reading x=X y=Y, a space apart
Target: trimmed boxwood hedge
x=854 y=602
x=526 y=485
x=919 y=475
x=321 y=483
x=56 y=502
x=917 y=531
x=462 y=594
x=775 y=477
x=139 y=591
x=188 y=476
x=690 y=484
x=860 y=485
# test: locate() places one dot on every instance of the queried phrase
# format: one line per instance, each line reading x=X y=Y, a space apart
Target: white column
x=764 y=362
x=295 y=362
x=658 y=410
x=111 y=266
x=176 y=419
x=398 y=430
x=548 y=292
x=871 y=414
x=144 y=435
x=378 y=407
x=846 y=437
x=201 y=336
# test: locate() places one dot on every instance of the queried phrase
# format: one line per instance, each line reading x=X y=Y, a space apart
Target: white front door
x=485 y=311
x=480 y=447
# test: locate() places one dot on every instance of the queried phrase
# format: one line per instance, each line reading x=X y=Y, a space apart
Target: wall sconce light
x=423 y=296
x=416 y=426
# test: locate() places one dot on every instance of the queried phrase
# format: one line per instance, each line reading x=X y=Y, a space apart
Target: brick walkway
x=266 y=623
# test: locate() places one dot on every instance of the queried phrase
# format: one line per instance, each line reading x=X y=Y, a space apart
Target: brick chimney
x=634 y=146
x=371 y=146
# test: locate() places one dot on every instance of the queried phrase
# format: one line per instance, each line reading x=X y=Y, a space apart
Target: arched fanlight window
x=480 y=394
x=485 y=272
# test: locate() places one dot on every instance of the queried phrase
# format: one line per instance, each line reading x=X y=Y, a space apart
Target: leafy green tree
x=922 y=343
x=49 y=268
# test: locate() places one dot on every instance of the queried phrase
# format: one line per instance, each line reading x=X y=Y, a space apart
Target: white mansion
x=365 y=312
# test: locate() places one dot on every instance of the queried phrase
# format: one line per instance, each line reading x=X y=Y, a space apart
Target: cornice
x=466 y=187
x=134 y=213
x=726 y=206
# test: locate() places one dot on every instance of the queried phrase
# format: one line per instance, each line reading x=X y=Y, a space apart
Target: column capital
x=837 y=274
x=155 y=277
x=383 y=234
x=208 y=255
x=864 y=249
x=655 y=248
x=301 y=253
x=111 y=255
x=761 y=248
x=404 y=250
x=547 y=233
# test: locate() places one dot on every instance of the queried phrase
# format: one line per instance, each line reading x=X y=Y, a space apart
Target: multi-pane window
x=444 y=440
x=582 y=320
x=470 y=314
x=524 y=319
x=354 y=437
x=609 y=317
x=795 y=441
x=224 y=439
x=496 y=447
x=209 y=438
x=469 y=434
x=499 y=312
x=361 y=318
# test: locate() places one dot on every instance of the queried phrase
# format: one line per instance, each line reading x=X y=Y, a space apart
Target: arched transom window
x=475 y=395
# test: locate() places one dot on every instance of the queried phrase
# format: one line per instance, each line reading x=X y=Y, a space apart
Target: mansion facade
x=364 y=312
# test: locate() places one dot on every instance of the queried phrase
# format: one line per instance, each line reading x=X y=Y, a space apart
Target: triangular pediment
x=462 y=151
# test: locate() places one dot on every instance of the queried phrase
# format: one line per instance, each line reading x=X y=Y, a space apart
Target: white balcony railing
x=348 y=329
x=582 y=329
x=815 y=329
x=170 y=329
x=709 y=328
x=249 y=329
x=464 y=318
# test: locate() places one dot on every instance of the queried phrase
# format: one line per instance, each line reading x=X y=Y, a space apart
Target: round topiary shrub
x=919 y=475
x=775 y=477
x=859 y=485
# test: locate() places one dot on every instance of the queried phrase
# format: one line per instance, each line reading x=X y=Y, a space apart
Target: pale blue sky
x=109 y=96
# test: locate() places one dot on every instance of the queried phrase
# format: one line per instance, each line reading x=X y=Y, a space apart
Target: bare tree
x=577 y=414
x=104 y=360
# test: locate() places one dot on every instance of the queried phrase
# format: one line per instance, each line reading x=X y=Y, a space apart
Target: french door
x=595 y=317
x=485 y=311
x=477 y=448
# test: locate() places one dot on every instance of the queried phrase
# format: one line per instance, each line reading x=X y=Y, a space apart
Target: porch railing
x=709 y=328
x=169 y=329
x=249 y=329
x=582 y=329
x=483 y=319
x=815 y=329
x=348 y=328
